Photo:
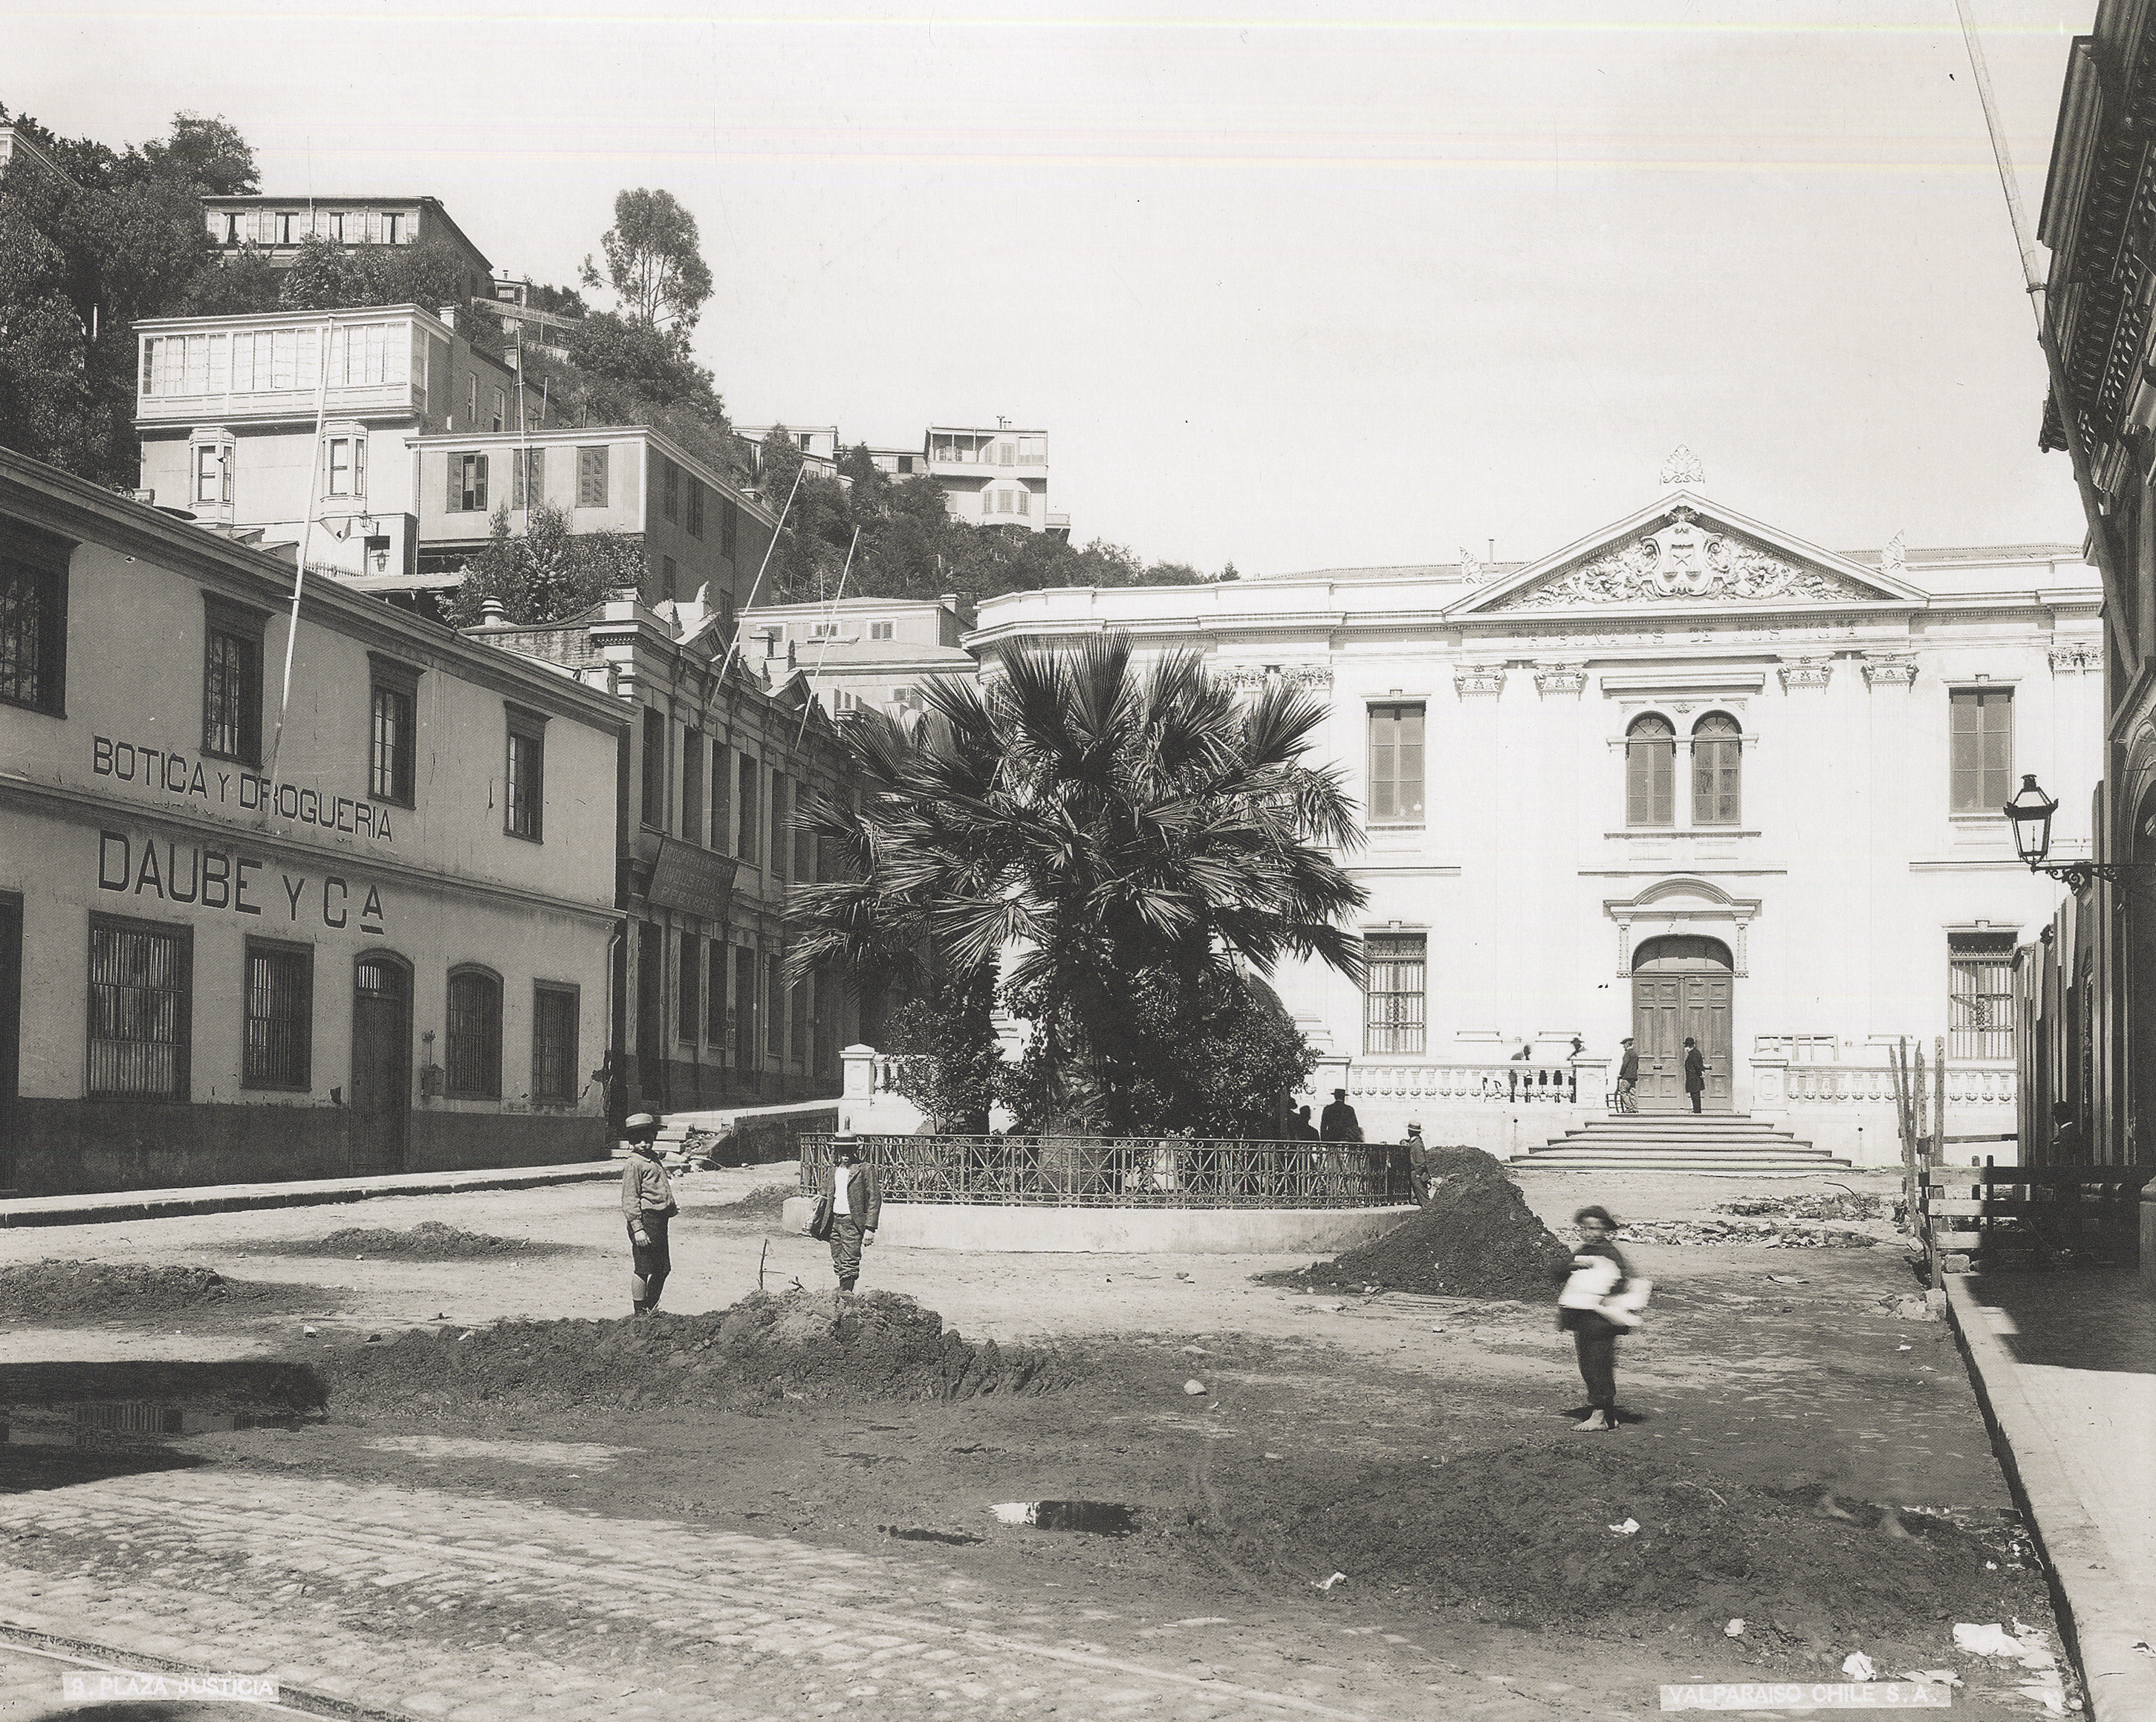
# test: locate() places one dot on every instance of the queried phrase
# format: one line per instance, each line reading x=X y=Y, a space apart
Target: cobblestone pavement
x=429 y=1603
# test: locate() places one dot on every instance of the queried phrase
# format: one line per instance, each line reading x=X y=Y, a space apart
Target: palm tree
x=1135 y=831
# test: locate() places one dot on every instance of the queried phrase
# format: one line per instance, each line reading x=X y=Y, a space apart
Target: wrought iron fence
x=1126 y=1171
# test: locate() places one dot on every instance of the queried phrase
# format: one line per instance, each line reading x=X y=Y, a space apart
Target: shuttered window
x=774 y=1022
x=1650 y=759
x=695 y=509
x=592 y=478
x=1981 y=738
x=670 y=488
x=529 y=467
x=692 y=787
x=467 y=484
x=689 y=974
x=654 y=768
x=280 y=1010
x=524 y=800
x=1718 y=769
x=745 y=846
x=1393 y=993
x=393 y=741
x=472 y=1060
x=715 y=993
x=140 y=1006
x=745 y=1056
x=1396 y=762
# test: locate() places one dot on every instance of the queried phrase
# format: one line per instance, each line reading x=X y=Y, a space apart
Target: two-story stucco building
x=1692 y=776
x=856 y=653
x=241 y=939
x=226 y=408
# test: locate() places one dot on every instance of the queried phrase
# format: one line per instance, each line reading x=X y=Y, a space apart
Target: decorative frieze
x=1560 y=678
x=1478 y=680
x=2070 y=657
x=1889 y=671
x=1290 y=675
x=1807 y=672
x=1685 y=561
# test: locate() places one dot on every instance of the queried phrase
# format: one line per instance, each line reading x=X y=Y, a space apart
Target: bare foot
x=1593 y=1420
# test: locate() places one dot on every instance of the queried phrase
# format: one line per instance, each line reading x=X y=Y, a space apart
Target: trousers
x=846 y=1248
x=653 y=1261
x=1596 y=1341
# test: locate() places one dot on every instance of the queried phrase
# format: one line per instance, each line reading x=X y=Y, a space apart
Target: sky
x=1294 y=286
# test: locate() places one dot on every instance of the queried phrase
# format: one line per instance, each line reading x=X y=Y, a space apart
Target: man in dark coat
x=1695 y=1072
x=1337 y=1122
x=856 y=1200
x=1628 y=1079
x=1418 y=1156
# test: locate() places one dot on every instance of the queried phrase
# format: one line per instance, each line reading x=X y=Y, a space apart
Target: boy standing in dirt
x=647 y=1203
x=855 y=1200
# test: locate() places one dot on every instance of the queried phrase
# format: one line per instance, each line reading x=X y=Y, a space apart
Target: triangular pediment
x=1686 y=552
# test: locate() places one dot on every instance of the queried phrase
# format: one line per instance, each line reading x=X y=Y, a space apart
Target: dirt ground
x=1420 y=1446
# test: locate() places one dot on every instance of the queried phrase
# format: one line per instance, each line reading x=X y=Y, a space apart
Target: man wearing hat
x=1628 y=1079
x=647 y=1203
x=1418 y=1163
x=855 y=1201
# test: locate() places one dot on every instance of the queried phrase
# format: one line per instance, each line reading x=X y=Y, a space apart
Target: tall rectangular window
x=692 y=787
x=669 y=578
x=279 y=1028
x=774 y=1019
x=1981 y=739
x=722 y=784
x=213 y=473
x=695 y=509
x=780 y=811
x=688 y=999
x=1393 y=991
x=654 y=768
x=745 y=843
x=500 y=411
x=729 y=528
x=592 y=478
x=554 y=1072
x=745 y=1056
x=1980 y=996
x=32 y=623
x=529 y=468
x=670 y=488
x=1650 y=766
x=467 y=484
x=524 y=775
x=393 y=747
x=348 y=466
x=471 y=400
x=797 y=1023
x=232 y=682
x=471 y=1061
x=141 y=1004
x=1396 y=765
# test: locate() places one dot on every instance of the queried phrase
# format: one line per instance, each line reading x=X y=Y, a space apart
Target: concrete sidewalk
x=2065 y=1364
x=309 y=1192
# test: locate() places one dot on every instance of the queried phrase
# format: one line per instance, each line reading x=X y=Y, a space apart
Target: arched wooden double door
x=1681 y=985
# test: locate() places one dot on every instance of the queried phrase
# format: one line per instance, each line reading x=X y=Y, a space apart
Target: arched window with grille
x=471 y=1061
x=1717 y=770
x=1651 y=761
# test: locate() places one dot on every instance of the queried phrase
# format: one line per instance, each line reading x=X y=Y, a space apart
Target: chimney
x=949 y=600
x=492 y=618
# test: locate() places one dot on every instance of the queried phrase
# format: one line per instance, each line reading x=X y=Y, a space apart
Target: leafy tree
x=560 y=301
x=654 y=363
x=325 y=276
x=545 y=573
x=245 y=282
x=206 y=156
x=653 y=260
x=619 y=372
x=952 y=1065
x=1144 y=837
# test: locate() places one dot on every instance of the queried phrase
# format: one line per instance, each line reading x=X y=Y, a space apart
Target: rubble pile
x=766 y=1347
x=1764 y=1234
x=1842 y=1204
x=1477 y=1238
x=50 y=1290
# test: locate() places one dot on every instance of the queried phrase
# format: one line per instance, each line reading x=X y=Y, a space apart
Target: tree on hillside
x=208 y=155
x=545 y=573
x=1147 y=839
x=327 y=276
x=653 y=263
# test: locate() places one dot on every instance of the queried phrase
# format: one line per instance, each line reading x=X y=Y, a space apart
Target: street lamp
x=2031 y=813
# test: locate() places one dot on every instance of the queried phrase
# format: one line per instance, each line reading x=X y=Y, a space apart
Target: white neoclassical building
x=1690 y=776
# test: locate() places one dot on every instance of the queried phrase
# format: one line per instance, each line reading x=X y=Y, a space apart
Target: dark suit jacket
x=1695 y=1070
x=864 y=1193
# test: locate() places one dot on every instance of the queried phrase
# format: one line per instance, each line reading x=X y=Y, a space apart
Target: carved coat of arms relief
x=1685 y=561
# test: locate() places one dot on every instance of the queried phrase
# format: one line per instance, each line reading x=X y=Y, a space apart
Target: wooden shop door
x=381 y=1066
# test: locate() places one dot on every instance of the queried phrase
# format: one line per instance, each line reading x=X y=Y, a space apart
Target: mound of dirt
x=763 y=1203
x=881 y=1346
x=1478 y=1238
x=1524 y=1534
x=48 y=1290
x=429 y=1241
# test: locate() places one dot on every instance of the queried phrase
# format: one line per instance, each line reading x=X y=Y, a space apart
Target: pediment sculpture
x=1684 y=560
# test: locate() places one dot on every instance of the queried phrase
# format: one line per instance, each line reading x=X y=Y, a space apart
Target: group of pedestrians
x=1628 y=1075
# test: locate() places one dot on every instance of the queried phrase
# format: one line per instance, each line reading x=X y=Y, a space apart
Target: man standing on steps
x=1695 y=1072
x=1628 y=1079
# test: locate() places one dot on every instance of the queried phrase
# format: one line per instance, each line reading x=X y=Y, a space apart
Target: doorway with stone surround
x=1683 y=984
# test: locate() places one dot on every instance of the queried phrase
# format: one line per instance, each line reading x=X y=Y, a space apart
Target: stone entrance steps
x=1679 y=1142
